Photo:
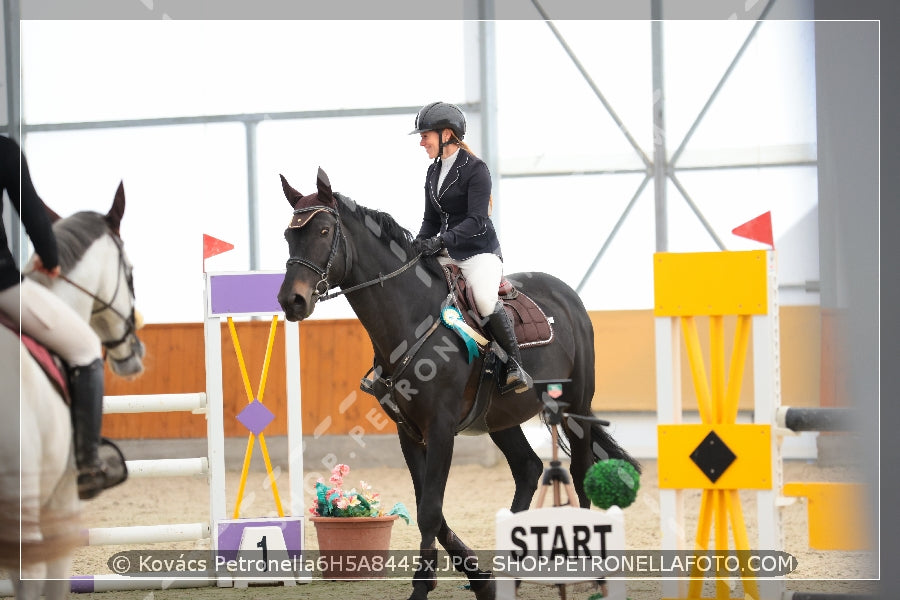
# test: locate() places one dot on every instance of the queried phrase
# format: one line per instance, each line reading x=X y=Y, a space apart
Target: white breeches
x=483 y=273
x=52 y=322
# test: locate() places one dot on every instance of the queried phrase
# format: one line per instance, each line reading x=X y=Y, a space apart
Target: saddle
x=532 y=326
x=49 y=362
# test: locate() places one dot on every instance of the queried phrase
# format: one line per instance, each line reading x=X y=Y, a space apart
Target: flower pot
x=353 y=547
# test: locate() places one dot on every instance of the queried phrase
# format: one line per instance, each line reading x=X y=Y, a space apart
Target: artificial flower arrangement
x=335 y=501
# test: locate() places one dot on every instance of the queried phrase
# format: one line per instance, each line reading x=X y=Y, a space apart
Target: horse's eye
x=324 y=231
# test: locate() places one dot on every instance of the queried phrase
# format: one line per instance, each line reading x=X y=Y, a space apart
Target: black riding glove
x=428 y=246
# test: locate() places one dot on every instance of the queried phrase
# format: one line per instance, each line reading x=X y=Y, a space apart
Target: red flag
x=213 y=246
x=758 y=229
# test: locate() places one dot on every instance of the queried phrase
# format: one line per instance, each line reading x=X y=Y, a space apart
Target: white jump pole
x=147 y=534
x=172 y=467
x=195 y=402
x=168 y=467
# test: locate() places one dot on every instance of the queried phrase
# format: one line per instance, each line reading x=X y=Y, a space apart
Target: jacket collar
x=462 y=159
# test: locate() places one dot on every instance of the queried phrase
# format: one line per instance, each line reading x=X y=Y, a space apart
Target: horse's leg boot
x=504 y=334
x=86 y=390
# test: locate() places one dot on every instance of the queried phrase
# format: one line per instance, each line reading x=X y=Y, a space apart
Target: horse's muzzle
x=295 y=299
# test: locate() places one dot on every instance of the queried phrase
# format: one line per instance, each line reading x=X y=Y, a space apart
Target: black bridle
x=101 y=305
x=324 y=273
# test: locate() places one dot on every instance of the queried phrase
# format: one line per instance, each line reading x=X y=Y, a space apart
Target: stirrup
x=517 y=380
x=90 y=483
x=109 y=470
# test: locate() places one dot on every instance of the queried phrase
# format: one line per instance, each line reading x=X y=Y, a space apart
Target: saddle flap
x=532 y=326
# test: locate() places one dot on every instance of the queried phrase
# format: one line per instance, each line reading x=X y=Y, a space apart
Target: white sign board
x=558 y=545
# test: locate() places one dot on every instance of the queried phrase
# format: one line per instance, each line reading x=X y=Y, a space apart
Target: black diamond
x=713 y=456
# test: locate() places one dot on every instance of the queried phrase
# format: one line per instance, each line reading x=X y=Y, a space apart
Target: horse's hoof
x=421 y=589
x=486 y=591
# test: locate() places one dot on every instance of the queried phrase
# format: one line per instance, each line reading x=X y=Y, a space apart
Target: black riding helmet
x=438 y=116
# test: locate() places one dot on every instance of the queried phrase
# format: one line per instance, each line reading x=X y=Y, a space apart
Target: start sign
x=557 y=545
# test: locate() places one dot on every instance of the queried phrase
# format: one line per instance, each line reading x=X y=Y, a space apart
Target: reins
x=380 y=280
x=323 y=273
x=130 y=327
x=104 y=305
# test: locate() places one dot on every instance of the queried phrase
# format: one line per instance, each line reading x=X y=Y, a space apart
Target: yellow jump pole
x=698 y=369
x=717 y=366
x=741 y=542
x=262 y=439
x=736 y=369
x=701 y=542
x=722 y=591
x=248 y=453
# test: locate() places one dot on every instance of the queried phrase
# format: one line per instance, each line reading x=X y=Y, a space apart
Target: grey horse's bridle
x=102 y=305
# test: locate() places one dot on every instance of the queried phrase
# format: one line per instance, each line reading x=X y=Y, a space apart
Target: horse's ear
x=54 y=217
x=324 y=186
x=114 y=216
x=292 y=195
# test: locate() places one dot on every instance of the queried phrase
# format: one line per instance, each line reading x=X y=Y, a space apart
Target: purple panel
x=245 y=293
x=82 y=584
x=230 y=533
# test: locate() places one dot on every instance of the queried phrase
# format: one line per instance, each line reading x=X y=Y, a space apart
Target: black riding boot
x=504 y=334
x=86 y=389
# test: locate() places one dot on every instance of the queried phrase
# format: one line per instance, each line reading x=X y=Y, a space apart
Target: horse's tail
x=604 y=447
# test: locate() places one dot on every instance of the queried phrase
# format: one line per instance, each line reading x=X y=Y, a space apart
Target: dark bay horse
x=334 y=242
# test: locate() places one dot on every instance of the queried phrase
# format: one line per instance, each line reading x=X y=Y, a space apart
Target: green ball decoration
x=612 y=482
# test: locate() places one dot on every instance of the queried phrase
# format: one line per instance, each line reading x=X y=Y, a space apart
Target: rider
x=457 y=227
x=51 y=321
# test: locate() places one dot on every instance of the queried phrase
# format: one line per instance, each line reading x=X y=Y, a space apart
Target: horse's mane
x=75 y=234
x=383 y=224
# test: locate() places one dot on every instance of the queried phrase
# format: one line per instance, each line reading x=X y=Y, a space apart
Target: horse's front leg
x=414 y=454
x=466 y=561
x=429 y=469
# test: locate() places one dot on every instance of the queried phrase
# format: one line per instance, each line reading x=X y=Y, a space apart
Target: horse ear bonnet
x=326 y=196
x=322 y=197
x=292 y=195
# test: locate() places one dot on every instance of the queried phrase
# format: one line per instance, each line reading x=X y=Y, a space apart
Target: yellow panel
x=751 y=444
x=836 y=520
x=710 y=283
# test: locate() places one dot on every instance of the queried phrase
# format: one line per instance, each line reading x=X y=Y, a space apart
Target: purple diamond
x=255 y=417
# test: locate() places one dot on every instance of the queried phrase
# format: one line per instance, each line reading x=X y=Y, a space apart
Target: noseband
x=299 y=222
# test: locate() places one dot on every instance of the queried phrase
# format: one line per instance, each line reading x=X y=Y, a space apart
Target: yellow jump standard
x=718 y=456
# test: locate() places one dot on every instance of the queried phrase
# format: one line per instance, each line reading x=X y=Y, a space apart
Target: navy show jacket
x=459 y=210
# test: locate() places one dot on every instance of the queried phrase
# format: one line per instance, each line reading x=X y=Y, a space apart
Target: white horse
x=39 y=506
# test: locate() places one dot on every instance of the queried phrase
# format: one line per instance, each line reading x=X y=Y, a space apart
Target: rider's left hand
x=429 y=246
